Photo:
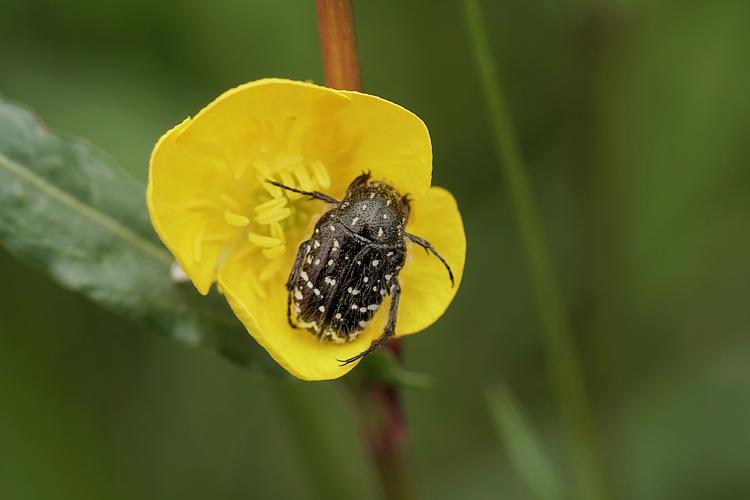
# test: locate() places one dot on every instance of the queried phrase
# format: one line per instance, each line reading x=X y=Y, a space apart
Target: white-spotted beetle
x=343 y=272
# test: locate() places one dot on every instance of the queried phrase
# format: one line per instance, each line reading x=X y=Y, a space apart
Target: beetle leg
x=301 y=251
x=428 y=247
x=390 y=328
x=312 y=194
x=359 y=181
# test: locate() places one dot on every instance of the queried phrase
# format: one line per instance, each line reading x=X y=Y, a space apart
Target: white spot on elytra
x=362 y=324
x=362 y=309
x=355 y=306
x=354 y=220
x=366 y=279
x=317 y=262
x=309 y=284
x=373 y=307
x=316 y=291
x=375 y=263
x=372 y=195
x=389 y=254
x=388 y=204
x=330 y=262
x=303 y=275
x=385 y=216
x=335 y=243
x=374 y=289
x=309 y=259
x=316 y=244
x=388 y=276
x=322 y=309
x=364 y=207
x=380 y=232
x=297 y=295
x=332 y=227
x=338 y=315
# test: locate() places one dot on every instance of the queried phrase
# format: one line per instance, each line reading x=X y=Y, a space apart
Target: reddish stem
x=339 y=44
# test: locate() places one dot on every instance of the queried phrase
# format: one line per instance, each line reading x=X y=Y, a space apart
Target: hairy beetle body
x=342 y=274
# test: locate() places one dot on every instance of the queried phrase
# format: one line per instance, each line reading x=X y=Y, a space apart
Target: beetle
x=343 y=272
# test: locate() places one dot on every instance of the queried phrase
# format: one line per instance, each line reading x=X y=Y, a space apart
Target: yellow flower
x=211 y=207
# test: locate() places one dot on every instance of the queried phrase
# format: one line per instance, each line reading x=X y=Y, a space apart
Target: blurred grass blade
x=524 y=448
x=67 y=210
x=566 y=375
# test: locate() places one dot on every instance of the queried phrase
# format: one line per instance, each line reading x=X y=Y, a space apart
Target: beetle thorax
x=376 y=212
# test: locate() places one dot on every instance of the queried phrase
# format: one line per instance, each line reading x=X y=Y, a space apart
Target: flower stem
x=565 y=369
x=339 y=44
x=379 y=409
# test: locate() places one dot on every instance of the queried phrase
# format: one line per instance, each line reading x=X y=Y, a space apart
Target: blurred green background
x=633 y=117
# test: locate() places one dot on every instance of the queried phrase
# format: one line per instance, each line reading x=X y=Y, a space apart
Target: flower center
x=271 y=219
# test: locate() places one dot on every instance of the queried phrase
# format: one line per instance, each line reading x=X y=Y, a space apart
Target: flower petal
x=182 y=196
x=426 y=288
x=297 y=350
x=391 y=142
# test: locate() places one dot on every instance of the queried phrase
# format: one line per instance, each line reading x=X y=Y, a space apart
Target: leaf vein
x=103 y=220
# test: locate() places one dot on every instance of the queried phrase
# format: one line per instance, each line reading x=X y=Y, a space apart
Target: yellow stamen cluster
x=265 y=213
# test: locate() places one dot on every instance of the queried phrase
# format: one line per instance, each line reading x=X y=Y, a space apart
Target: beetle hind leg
x=390 y=329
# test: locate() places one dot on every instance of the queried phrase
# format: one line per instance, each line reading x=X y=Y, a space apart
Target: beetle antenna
x=428 y=247
x=312 y=194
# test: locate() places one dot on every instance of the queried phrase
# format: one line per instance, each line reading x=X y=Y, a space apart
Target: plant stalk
x=564 y=366
x=379 y=408
x=338 y=43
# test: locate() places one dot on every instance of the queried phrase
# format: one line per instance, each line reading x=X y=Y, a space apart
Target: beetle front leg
x=390 y=328
x=429 y=248
x=301 y=251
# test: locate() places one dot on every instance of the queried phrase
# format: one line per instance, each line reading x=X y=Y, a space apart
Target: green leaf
x=69 y=211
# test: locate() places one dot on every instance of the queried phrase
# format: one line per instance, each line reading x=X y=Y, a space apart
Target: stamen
x=235 y=220
x=305 y=182
x=262 y=166
x=287 y=161
x=287 y=180
x=277 y=231
x=271 y=204
x=275 y=215
x=274 y=191
x=263 y=241
x=321 y=174
x=274 y=252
